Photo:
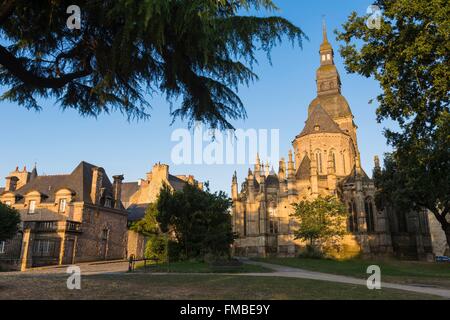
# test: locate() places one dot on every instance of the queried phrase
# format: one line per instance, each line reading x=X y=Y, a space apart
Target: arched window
x=245 y=222
x=319 y=161
x=332 y=156
x=368 y=206
x=273 y=221
x=352 y=217
x=355 y=216
x=343 y=162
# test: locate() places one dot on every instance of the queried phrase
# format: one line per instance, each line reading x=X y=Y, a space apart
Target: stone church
x=325 y=161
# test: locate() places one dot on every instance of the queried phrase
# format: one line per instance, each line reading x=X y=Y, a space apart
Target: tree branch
x=6 y=11
x=17 y=69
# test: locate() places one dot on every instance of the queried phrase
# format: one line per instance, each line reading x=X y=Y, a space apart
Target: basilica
x=324 y=160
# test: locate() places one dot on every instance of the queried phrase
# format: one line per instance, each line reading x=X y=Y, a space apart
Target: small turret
x=314 y=175
x=234 y=187
x=258 y=168
x=376 y=161
x=34 y=173
x=251 y=186
x=291 y=175
x=282 y=170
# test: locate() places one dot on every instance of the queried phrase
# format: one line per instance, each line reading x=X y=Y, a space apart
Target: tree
x=190 y=223
x=9 y=222
x=414 y=185
x=199 y=220
x=410 y=57
x=196 y=50
x=321 y=220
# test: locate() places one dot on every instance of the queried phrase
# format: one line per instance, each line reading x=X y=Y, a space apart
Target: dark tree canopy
x=198 y=219
x=410 y=57
x=9 y=222
x=197 y=50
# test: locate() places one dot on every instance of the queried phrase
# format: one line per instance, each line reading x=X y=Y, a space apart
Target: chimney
x=11 y=183
x=117 y=191
x=97 y=179
x=160 y=172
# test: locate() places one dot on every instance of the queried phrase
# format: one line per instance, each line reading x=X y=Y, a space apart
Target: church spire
x=324 y=31
x=326 y=50
x=328 y=80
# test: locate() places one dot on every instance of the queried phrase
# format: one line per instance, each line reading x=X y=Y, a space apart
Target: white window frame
x=2 y=247
x=32 y=206
x=62 y=205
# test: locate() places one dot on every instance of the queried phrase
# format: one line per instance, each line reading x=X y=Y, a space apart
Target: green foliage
x=321 y=221
x=197 y=50
x=9 y=222
x=156 y=248
x=411 y=184
x=147 y=226
x=175 y=251
x=187 y=224
x=199 y=220
x=410 y=58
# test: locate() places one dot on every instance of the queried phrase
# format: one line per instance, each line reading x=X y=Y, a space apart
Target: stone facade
x=325 y=161
x=66 y=219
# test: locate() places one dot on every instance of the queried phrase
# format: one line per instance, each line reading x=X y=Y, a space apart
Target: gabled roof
x=80 y=181
x=176 y=183
x=272 y=180
x=319 y=121
x=128 y=189
x=304 y=170
x=351 y=178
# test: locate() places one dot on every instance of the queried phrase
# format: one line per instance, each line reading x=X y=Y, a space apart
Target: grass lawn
x=200 y=286
x=200 y=267
x=405 y=272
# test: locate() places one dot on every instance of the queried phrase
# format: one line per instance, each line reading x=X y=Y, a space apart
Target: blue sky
x=59 y=140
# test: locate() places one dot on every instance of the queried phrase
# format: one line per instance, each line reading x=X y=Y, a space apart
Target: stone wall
x=136 y=245
x=438 y=239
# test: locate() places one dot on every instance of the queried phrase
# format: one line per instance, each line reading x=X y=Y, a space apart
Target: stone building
x=66 y=219
x=137 y=196
x=325 y=161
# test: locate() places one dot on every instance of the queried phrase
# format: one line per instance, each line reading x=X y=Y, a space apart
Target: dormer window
x=62 y=205
x=108 y=203
x=316 y=128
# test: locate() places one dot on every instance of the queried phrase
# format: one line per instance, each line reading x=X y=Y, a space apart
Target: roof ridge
x=319 y=121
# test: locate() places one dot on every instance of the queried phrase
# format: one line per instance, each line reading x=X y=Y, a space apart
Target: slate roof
x=137 y=211
x=177 y=183
x=272 y=181
x=319 y=121
x=351 y=178
x=304 y=170
x=79 y=181
x=128 y=189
